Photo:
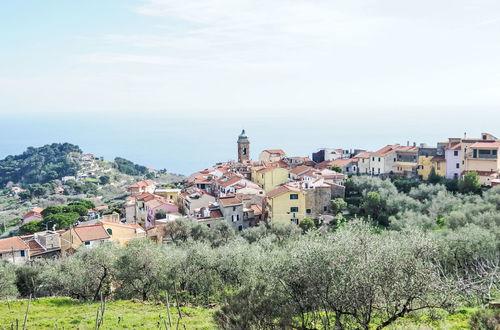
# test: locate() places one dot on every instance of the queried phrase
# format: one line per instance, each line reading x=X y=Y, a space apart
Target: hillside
x=59 y=173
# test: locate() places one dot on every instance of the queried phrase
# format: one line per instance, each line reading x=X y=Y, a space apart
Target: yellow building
x=287 y=204
x=88 y=236
x=171 y=195
x=122 y=233
x=270 y=177
x=427 y=163
x=483 y=158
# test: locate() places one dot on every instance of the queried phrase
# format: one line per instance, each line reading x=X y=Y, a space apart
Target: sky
x=372 y=69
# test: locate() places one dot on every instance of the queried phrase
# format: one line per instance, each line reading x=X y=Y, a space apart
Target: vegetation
x=66 y=313
x=39 y=165
x=128 y=167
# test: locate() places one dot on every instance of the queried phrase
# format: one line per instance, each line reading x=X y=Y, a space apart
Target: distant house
x=269 y=177
x=89 y=236
x=484 y=158
x=382 y=161
x=348 y=166
x=327 y=154
x=142 y=187
x=287 y=204
x=453 y=158
x=272 y=155
x=193 y=200
x=15 y=250
x=169 y=194
x=33 y=215
x=232 y=210
x=121 y=233
x=364 y=159
x=46 y=244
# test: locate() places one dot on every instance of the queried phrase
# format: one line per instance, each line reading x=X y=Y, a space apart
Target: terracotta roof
x=229 y=181
x=274 y=151
x=124 y=225
x=454 y=146
x=342 y=162
x=144 y=183
x=216 y=214
x=281 y=190
x=32 y=213
x=91 y=233
x=257 y=210
x=300 y=169
x=486 y=145
x=12 y=243
x=229 y=201
x=385 y=150
x=266 y=169
x=365 y=154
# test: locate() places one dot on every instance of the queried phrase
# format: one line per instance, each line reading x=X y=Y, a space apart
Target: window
x=379 y=159
x=234 y=208
x=379 y=171
x=394 y=159
x=294 y=196
x=494 y=152
x=458 y=165
x=294 y=209
x=474 y=153
x=237 y=217
x=455 y=153
x=240 y=228
x=87 y=243
x=308 y=211
x=325 y=208
x=22 y=253
x=455 y=176
x=110 y=231
x=373 y=158
x=208 y=225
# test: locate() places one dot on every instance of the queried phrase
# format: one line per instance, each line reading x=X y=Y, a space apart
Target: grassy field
x=65 y=313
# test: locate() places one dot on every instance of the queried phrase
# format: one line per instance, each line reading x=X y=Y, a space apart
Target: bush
x=487 y=319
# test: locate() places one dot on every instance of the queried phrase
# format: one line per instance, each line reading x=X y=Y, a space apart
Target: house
x=272 y=155
x=327 y=154
x=122 y=233
x=15 y=250
x=170 y=194
x=231 y=208
x=382 y=161
x=453 y=158
x=194 y=199
x=294 y=161
x=89 y=236
x=33 y=215
x=268 y=178
x=363 y=162
x=230 y=183
x=483 y=158
x=142 y=187
x=209 y=215
x=431 y=160
x=406 y=161
x=46 y=244
x=348 y=166
x=298 y=172
x=286 y=204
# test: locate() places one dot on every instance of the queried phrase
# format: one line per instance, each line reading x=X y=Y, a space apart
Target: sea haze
x=187 y=143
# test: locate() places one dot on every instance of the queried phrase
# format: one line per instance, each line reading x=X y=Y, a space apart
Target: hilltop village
x=276 y=188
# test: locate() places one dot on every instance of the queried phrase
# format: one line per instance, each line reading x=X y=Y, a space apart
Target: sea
x=184 y=144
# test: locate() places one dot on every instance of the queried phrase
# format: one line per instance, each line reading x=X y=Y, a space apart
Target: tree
x=222 y=233
x=178 y=230
x=60 y=220
x=105 y=179
x=138 y=269
x=470 y=183
x=338 y=205
x=307 y=225
x=435 y=178
x=7 y=280
x=336 y=168
x=31 y=227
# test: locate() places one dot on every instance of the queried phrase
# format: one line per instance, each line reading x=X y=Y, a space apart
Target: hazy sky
x=186 y=57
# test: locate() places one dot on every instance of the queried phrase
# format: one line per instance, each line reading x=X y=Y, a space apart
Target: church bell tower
x=243 y=147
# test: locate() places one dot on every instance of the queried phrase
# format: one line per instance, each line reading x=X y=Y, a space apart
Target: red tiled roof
x=229 y=201
x=365 y=154
x=385 y=150
x=12 y=244
x=486 y=145
x=144 y=183
x=281 y=190
x=257 y=210
x=32 y=213
x=300 y=169
x=275 y=151
x=91 y=233
x=342 y=162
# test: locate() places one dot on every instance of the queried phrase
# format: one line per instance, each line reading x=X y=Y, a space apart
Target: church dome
x=243 y=137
